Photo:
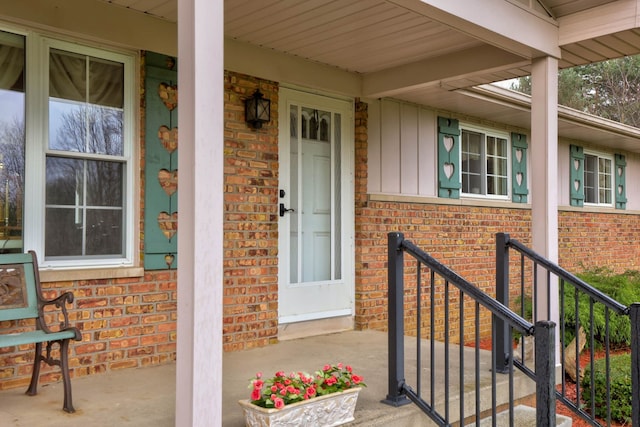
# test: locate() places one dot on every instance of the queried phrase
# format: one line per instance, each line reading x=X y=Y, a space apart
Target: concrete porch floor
x=146 y=396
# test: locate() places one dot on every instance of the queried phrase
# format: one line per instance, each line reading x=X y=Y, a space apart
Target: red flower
x=255 y=394
x=280 y=374
x=278 y=403
x=258 y=384
x=357 y=379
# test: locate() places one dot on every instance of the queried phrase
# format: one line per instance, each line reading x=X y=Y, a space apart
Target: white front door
x=315 y=250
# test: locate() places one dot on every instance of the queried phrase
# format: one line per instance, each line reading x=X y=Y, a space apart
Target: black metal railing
x=538 y=279
x=454 y=304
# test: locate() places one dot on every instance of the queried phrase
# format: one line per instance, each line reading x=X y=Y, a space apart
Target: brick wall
x=125 y=323
x=251 y=219
x=588 y=240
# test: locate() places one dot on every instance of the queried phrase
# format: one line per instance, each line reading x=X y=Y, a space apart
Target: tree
x=609 y=89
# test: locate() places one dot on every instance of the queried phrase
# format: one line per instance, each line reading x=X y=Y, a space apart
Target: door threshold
x=309 y=328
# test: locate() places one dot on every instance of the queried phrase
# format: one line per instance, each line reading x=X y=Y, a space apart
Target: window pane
x=590 y=172
x=85 y=114
x=67 y=76
x=104 y=184
x=472 y=162
x=63 y=235
x=77 y=191
x=12 y=140
x=106 y=83
x=604 y=180
x=104 y=232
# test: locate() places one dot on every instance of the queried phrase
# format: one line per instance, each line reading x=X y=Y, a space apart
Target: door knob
x=284 y=210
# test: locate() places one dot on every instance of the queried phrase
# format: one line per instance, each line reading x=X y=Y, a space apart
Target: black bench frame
x=21 y=298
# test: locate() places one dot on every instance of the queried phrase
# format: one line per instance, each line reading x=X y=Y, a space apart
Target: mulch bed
x=570 y=389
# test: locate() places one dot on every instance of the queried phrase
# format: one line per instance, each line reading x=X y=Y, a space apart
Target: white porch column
x=200 y=203
x=544 y=175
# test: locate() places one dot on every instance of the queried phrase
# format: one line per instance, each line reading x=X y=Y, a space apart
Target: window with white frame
x=66 y=138
x=484 y=160
x=598 y=179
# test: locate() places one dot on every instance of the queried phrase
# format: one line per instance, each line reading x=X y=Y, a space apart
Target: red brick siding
x=124 y=323
x=251 y=219
x=588 y=240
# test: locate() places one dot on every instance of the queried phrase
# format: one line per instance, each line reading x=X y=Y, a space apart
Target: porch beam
x=95 y=19
x=434 y=71
x=506 y=25
x=610 y=18
x=200 y=224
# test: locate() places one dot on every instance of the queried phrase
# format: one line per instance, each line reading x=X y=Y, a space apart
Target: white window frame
x=36 y=148
x=598 y=156
x=487 y=133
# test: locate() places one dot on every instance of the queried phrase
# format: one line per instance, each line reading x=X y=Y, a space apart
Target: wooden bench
x=21 y=298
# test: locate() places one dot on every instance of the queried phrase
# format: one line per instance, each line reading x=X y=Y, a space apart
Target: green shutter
x=519 y=148
x=448 y=158
x=160 y=163
x=620 y=189
x=576 y=175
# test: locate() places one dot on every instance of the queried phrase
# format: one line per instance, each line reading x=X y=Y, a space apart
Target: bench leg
x=64 y=368
x=33 y=386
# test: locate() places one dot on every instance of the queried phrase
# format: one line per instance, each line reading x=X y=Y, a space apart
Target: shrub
x=620 y=388
x=625 y=288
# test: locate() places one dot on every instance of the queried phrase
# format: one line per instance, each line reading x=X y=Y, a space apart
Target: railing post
x=503 y=331
x=545 y=373
x=634 y=315
x=396 y=320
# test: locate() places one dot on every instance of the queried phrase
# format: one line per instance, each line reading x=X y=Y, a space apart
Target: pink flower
x=348 y=368
x=327 y=367
x=259 y=375
x=357 y=379
x=274 y=388
x=258 y=384
x=255 y=394
x=331 y=381
x=278 y=403
x=280 y=374
x=339 y=365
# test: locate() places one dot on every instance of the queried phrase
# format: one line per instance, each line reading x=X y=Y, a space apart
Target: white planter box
x=325 y=411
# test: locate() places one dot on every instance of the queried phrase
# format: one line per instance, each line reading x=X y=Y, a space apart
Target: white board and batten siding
x=402 y=149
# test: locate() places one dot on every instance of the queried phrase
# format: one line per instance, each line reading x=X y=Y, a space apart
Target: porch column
x=544 y=177
x=200 y=202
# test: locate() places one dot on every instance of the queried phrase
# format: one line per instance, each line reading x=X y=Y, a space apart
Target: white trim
x=314 y=316
x=606 y=156
x=36 y=148
x=487 y=132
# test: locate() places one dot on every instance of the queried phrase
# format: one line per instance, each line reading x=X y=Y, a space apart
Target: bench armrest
x=59 y=302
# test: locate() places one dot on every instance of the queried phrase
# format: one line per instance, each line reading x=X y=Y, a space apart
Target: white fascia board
x=599 y=21
x=503 y=24
x=435 y=70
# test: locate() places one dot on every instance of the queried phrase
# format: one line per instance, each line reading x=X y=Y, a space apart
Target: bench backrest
x=18 y=297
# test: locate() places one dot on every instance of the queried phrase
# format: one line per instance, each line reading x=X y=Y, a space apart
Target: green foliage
x=609 y=89
x=619 y=389
x=625 y=288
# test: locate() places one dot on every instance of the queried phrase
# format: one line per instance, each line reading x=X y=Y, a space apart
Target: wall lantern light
x=257 y=110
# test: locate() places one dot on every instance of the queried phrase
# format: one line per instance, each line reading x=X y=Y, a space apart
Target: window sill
x=90 y=274
x=464 y=201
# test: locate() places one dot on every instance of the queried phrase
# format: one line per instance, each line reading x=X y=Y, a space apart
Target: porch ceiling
x=422 y=52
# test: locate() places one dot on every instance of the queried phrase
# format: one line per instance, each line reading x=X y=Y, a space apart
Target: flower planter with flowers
x=297 y=399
